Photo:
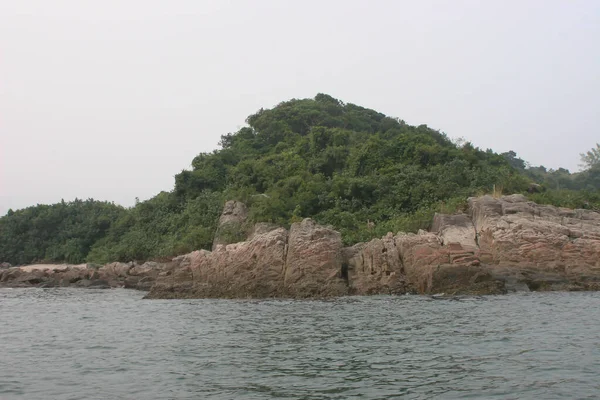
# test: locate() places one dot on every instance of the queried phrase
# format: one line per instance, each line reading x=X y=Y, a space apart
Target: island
x=500 y=245
x=316 y=198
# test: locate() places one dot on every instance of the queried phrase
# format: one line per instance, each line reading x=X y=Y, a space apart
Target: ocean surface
x=112 y=344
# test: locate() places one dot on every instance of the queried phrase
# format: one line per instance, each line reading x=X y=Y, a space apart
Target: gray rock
x=512 y=285
x=457 y=229
x=131 y=282
x=99 y=284
x=144 y=284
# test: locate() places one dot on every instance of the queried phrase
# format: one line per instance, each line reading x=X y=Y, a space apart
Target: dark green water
x=88 y=344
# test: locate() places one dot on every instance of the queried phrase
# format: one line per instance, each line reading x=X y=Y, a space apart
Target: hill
x=343 y=165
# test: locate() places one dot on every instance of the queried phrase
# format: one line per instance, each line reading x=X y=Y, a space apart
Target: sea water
x=113 y=344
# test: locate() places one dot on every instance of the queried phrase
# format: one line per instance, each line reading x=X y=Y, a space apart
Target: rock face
x=543 y=247
x=306 y=262
x=375 y=267
x=455 y=229
x=313 y=264
x=501 y=245
x=254 y=268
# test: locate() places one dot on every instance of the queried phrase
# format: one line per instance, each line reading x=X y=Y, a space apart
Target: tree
x=513 y=160
x=590 y=158
x=356 y=169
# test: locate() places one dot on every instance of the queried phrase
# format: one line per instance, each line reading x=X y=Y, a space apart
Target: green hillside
x=344 y=165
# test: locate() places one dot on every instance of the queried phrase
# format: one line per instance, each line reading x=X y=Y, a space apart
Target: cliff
x=501 y=245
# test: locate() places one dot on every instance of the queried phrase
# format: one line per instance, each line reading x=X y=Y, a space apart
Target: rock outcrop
x=111 y=275
x=254 y=268
x=542 y=247
x=375 y=267
x=304 y=262
x=502 y=245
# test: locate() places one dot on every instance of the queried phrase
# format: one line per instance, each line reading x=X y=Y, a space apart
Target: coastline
x=501 y=245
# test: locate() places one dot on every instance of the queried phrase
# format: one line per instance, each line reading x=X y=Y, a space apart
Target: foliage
x=233 y=232
x=358 y=170
x=560 y=179
x=161 y=227
x=591 y=158
x=57 y=232
x=584 y=199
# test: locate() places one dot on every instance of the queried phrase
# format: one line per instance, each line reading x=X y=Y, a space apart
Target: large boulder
x=149 y=269
x=9 y=274
x=455 y=229
x=515 y=231
x=306 y=262
x=116 y=270
x=313 y=265
x=175 y=279
x=70 y=276
x=420 y=253
x=375 y=267
x=453 y=267
x=247 y=269
x=545 y=247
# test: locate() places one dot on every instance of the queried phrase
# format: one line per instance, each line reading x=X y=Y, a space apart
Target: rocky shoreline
x=113 y=275
x=501 y=245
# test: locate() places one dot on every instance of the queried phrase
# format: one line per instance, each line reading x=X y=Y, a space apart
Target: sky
x=110 y=99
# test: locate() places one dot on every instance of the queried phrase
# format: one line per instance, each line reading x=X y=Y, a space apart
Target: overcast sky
x=111 y=98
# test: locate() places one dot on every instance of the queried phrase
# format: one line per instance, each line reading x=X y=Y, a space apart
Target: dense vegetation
x=341 y=164
x=58 y=232
x=560 y=187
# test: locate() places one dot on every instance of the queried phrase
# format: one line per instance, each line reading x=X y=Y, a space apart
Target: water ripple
x=97 y=344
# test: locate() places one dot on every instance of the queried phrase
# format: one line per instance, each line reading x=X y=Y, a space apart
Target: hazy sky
x=111 y=98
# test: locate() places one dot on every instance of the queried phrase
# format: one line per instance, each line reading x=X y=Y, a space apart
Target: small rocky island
x=501 y=245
